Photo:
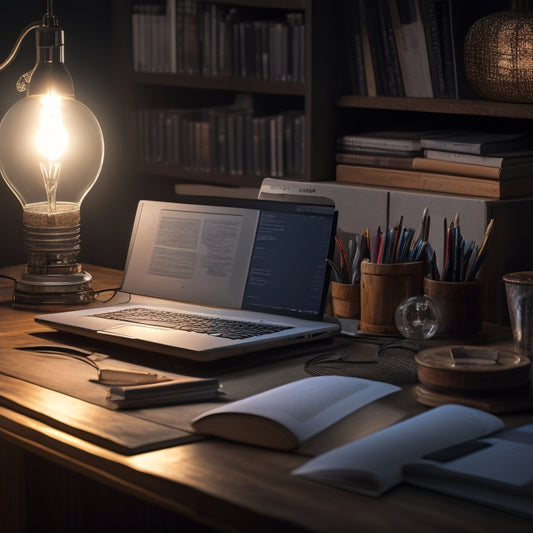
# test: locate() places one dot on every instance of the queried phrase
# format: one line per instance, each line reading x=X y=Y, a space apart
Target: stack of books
x=492 y=165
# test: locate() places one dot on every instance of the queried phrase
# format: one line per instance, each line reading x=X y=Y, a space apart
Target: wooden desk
x=53 y=481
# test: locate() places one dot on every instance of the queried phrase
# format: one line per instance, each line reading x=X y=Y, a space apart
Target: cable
x=14 y=51
x=393 y=363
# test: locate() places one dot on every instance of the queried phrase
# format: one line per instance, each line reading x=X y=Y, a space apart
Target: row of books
x=225 y=139
x=410 y=47
x=473 y=163
x=211 y=39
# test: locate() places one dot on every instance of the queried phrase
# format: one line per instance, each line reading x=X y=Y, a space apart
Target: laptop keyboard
x=218 y=327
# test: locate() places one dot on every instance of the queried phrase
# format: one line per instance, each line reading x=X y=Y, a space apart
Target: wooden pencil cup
x=383 y=288
x=459 y=303
x=346 y=300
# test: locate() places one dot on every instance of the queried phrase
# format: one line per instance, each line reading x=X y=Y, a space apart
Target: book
x=433 y=46
x=384 y=159
x=435 y=182
x=398 y=140
x=386 y=65
x=469 y=169
x=496 y=471
x=370 y=76
x=173 y=391
x=480 y=143
x=285 y=416
x=498 y=160
x=411 y=46
x=373 y=464
x=453 y=449
x=458 y=168
x=354 y=48
x=443 y=19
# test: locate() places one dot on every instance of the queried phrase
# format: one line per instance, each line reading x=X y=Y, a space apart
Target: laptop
x=205 y=282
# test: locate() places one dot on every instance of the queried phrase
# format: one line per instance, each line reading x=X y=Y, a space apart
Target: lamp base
x=49 y=289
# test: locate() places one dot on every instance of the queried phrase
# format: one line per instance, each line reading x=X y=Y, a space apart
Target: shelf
x=439 y=105
x=274 y=4
x=210 y=178
x=224 y=84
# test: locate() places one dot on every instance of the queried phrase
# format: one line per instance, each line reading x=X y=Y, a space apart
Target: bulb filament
x=52 y=141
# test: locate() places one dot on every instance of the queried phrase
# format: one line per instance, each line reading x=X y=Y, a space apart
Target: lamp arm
x=14 y=51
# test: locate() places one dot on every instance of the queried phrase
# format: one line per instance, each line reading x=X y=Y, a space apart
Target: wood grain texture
x=206 y=485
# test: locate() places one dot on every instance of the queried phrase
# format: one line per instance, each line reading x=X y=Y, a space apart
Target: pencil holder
x=459 y=303
x=383 y=288
x=346 y=299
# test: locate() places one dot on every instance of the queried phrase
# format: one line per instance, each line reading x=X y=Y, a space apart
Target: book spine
x=371 y=87
x=375 y=46
x=192 y=37
x=421 y=181
x=180 y=36
x=451 y=146
x=459 y=157
x=375 y=160
x=354 y=141
x=412 y=52
x=239 y=144
x=248 y=145
x=391 y=51
x=427 y=10
x=171 y=25
x=452 y=167
x=354 y=48
x=442 y=16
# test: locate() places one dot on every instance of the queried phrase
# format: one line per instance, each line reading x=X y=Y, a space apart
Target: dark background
x=91 y=49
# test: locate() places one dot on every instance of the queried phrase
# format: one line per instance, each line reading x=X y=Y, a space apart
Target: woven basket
x=498 y=54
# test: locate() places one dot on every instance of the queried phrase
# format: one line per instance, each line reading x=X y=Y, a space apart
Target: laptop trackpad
x=169 y=337
x=139 y=331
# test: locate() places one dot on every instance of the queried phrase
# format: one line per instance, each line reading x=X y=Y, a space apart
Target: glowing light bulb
x=51 y=154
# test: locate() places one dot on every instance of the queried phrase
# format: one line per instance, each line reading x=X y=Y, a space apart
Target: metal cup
x=519 y=291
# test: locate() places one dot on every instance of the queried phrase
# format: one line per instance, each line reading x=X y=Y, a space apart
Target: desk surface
x=234 y=487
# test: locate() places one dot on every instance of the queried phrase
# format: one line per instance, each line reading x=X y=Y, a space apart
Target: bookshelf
x=326 y=106
x=307 y=105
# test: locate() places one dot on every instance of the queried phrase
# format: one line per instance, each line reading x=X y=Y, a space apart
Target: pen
x=344 y=257
x=482 y=251
x=337 y=274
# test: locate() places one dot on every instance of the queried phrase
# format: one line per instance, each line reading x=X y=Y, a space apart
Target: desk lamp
x=51 y=153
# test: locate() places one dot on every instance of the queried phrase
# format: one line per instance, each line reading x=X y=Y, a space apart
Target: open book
x=451 y=449
x=286 y=416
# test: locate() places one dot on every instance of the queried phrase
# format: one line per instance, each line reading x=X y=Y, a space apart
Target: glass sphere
x=34 y=149
x=418 y=317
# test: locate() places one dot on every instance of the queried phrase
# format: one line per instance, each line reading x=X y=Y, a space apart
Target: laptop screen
x=288 y=268
x=258 y=255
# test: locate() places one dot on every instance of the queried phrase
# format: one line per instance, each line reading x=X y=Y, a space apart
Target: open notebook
x=261 y=264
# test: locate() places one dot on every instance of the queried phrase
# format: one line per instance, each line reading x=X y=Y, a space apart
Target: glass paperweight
x=418 y=317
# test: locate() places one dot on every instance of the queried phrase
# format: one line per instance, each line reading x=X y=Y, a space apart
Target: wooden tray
x=486 y=378
x=472 y=368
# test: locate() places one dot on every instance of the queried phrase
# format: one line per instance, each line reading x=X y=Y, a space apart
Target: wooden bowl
x=472 y=369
